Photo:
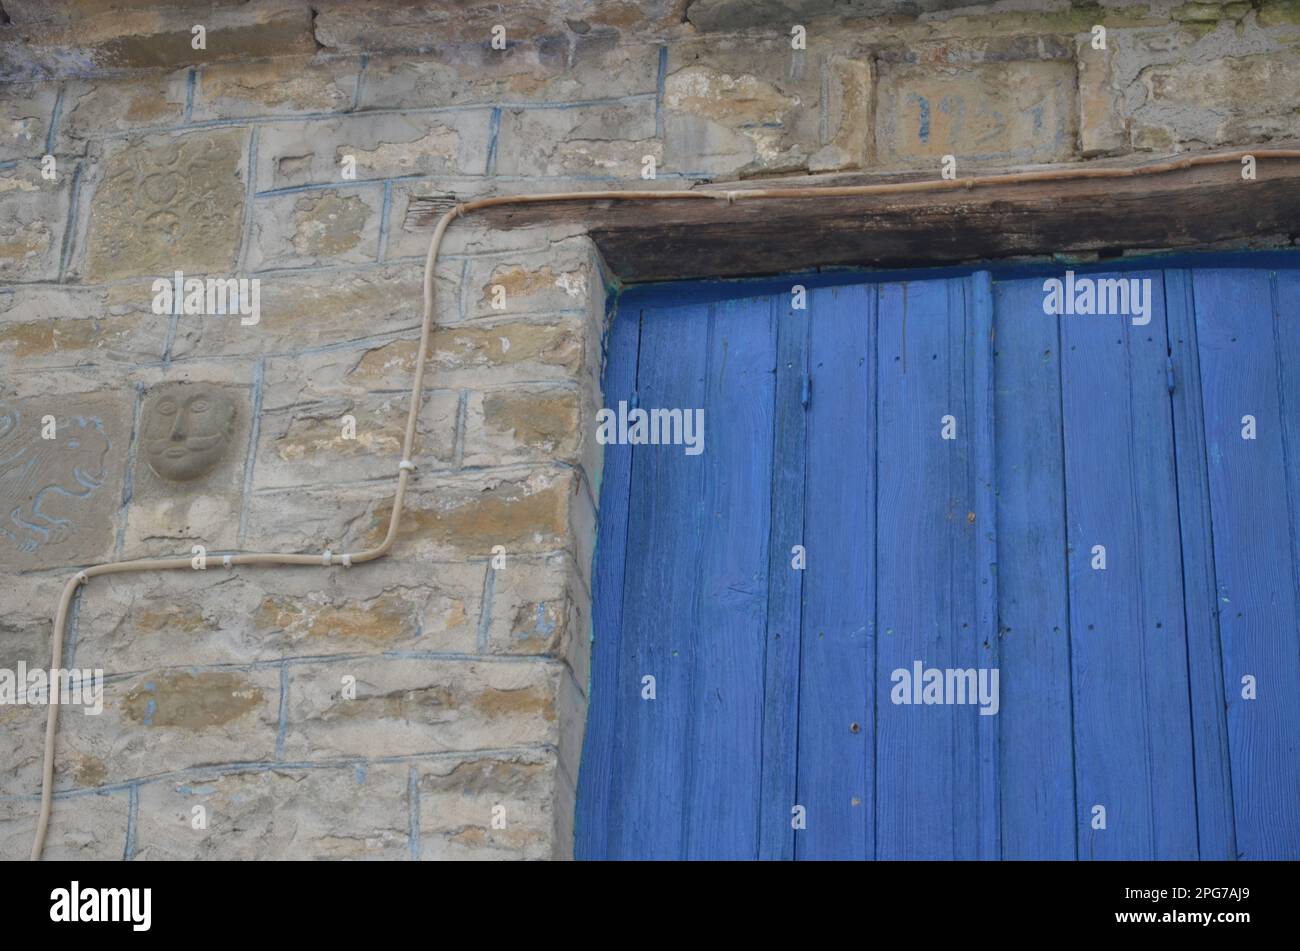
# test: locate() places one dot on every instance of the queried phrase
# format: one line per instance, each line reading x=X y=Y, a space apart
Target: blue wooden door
x=1094 y=516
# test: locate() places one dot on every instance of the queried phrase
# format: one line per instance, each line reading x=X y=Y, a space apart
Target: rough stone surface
x=33 y=220
x=993 y=113
x=61 y=496
x=166 y=204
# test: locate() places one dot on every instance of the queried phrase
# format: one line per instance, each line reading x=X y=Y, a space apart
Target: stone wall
x=388 y=710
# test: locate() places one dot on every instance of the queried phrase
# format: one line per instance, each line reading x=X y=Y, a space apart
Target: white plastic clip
x=406 y=464
x=327 y=558
x=226 y=562
x=731 y=198
x=347 y=560
x=82 y=578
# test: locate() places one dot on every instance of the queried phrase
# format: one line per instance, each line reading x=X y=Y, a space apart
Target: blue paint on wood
x=592 y=821
x=1216 y=832
x=1238 y=345
x=1037 y=764
x=659 y=625
x=837 y=678
x=1133 y=754
x=785 y=582
x=823 y=429
x=726 y=690
x=928 y=756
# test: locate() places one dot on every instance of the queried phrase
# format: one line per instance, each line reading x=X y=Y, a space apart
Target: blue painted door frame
x=1096 y=529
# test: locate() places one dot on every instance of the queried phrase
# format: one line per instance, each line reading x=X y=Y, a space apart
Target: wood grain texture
x=1242 y=348
x=1214 y=815
x=592 y=821
x=1037 y=764
x=823 y=429
x=1198 y=207
x=1133 y=753
x=785 y=585
x=837 y=677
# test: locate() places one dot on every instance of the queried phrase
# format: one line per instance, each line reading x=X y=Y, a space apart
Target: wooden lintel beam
x=1203 y=206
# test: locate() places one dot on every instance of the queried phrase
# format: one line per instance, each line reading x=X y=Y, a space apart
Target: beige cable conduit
x=326 y=559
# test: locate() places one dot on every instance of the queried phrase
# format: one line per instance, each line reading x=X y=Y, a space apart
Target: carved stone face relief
x=187 y=428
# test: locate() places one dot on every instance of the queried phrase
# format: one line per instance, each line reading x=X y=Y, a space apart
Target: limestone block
x=349 y=812
x=989 y=113
x=167 y=203
x=285 y=85
x=33 y=220
x=61 y=496
x=487 y=807
x=408 y=706
x=188 y=477
x=316 y=227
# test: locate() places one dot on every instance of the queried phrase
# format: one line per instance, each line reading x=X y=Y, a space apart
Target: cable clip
x=347 y=560
x=406 y=464
x=327 y=558
x=226 y=562
x=731 y=198
x=82 y=577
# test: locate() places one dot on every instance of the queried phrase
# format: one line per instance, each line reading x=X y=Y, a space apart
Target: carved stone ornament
x=186 y=429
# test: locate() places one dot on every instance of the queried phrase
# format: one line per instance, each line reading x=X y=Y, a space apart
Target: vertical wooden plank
x=979 y=344
x=665 y=529
x=1037 y=773
x=1216 y=837
x=785 y=585
x=1286 y=327
x=1132 y=721
x=836 y=678
x=724 y=750
x=927 y=755
x=591 y=821
x=1253 y=552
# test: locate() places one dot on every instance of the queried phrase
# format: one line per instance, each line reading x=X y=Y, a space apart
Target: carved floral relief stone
x=168 y=203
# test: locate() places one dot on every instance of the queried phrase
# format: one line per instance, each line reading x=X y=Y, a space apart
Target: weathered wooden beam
x=1203 y=206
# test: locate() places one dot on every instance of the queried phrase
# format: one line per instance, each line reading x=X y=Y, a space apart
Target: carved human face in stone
x=186 y=430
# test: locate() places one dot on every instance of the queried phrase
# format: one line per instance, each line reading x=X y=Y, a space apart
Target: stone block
x=87 y=827
x=316 y=227
x=311 y=310
x=254 y=614
x=25 y=114
x=608 y=140
x=1228 y=100
x=736 y=107
x=406 y=706
x=355 y=812
x=110 y=105
x=994 y=113
x=33 y=220
x=384 y=145
x=70 y=326
x=167 y=203
x=285 y=85
x=524 y=424
x=188 y=476
x=61 y=496
x=595 y=66
x=487 y=807
x=312 y=443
